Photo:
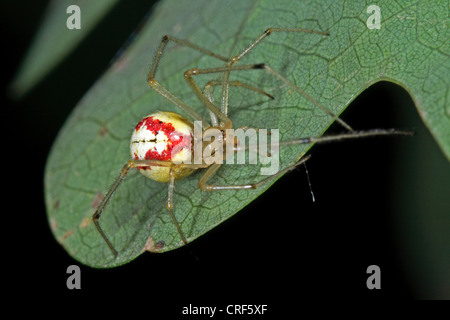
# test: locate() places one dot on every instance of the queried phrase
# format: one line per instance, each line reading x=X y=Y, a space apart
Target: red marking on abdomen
x=155 y=125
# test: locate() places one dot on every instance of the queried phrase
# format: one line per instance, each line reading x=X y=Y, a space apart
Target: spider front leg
x=212 y=83
x=188 y=75
x=226 y=122
x=163 y=91
x=258 y=40
x=209 y=94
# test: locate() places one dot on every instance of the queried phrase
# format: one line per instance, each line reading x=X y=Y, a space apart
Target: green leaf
x=55 y=41
x=411 y=49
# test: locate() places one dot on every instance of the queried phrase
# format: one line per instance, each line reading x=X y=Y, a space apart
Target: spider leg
x=347 y=136
x=106 y=198
x=329 y=138
x=165 y=40
x=163 y=91
x=171 y=188
x=203 y=185
x=209 y=95
x=189 y=73
x=212 y=83
x=122 y=175
x=307 y=96
x=233 y=60
x=267 y=33
x=206 y=98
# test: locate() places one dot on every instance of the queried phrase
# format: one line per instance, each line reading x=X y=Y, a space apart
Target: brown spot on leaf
x=65 y=236
x=159 y=245
x=97 y=200
x=149 y=245
x=153 y=246
x=53 y=224
x=85 y=222
x=103 y=132
x=56 y=204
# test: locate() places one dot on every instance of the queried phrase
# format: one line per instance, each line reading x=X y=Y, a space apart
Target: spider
x=161 y=146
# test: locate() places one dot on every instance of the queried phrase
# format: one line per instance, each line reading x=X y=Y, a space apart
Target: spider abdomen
x=165 y=136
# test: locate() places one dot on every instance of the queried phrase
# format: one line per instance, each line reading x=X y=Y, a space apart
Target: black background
x=326 y=246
